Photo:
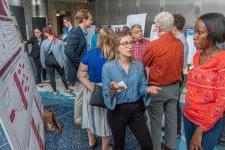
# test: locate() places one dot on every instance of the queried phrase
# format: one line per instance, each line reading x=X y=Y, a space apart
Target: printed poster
x=21 y=110
x=137 y=19
x=117 y=28
x=154 y=33
x=191 y=46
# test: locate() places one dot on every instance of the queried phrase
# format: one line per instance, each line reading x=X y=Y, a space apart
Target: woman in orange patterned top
x=204 y=108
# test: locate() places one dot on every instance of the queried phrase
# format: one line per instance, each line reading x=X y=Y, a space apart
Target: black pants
x=39 y=70
x=38 y=66
x=51 y=66
x=44 y=74
x=132 y=115
x=71 y=72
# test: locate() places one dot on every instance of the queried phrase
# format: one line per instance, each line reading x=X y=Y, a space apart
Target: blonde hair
x=105 y=42
x=117 y=40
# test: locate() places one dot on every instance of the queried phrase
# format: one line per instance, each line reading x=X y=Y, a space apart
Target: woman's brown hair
x=117 y=40
x=49 y=31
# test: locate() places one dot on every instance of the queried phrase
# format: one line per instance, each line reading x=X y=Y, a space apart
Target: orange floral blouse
x=205 y=99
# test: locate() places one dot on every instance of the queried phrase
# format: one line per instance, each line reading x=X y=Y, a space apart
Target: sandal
x=92 y=147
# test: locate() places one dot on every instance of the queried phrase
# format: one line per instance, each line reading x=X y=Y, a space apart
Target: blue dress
x=94 y=118
x=95 y=61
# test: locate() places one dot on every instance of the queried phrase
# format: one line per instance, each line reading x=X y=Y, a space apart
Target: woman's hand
x=196 y=140
x=115 y=86
x=90 y=88
x=154 y=90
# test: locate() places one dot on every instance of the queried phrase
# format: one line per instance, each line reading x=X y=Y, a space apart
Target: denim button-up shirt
x=135 y=81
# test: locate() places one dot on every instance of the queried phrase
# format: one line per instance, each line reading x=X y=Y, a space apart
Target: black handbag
x=50 y=60
x=49 y=57
x=97 y=97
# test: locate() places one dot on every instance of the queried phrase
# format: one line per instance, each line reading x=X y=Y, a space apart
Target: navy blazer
x=76 y=45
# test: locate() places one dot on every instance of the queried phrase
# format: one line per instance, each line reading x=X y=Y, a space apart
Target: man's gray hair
x=136 y=26
x=165 y=21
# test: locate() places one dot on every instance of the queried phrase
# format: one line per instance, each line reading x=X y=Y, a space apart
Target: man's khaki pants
x=78 y=101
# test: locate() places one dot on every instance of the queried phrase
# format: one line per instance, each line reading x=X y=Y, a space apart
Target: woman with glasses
x=124 y=91
x=36 y=39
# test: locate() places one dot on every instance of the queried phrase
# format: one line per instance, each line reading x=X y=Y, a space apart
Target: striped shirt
x=139 y=49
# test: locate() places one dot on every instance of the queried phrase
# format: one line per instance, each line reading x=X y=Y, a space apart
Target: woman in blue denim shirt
x=125 y=94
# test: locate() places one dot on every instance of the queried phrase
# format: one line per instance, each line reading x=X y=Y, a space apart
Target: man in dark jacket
x=76 y=46
x=36 y=41
x=69 y=47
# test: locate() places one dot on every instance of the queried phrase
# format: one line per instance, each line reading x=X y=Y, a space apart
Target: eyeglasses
x=138 y=31
x=127 y=44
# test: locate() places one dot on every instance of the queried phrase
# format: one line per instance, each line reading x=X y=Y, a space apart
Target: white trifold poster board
x=117 y=28
x=154 y=33
x=21 y=109
x=137 y=19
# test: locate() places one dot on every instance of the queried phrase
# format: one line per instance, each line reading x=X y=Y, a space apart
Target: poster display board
x=154 y=33
x=91 y=32
x=137 y=19
x=191 y=46
x=117 y=28
x=20 y=105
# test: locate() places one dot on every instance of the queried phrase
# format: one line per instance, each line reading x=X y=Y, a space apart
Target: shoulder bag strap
x=46 y=53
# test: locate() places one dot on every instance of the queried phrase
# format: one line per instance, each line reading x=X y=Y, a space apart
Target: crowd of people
x=140 y=79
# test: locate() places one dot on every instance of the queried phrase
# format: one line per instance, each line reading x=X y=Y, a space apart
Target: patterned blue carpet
x=76 y=139
x=73 y=138
x=4 y=145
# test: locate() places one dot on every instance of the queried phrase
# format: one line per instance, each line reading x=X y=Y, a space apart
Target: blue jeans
x=222 y=136
x=209 y=138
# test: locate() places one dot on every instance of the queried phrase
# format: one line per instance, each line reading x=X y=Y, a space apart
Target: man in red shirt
x=164 y=57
